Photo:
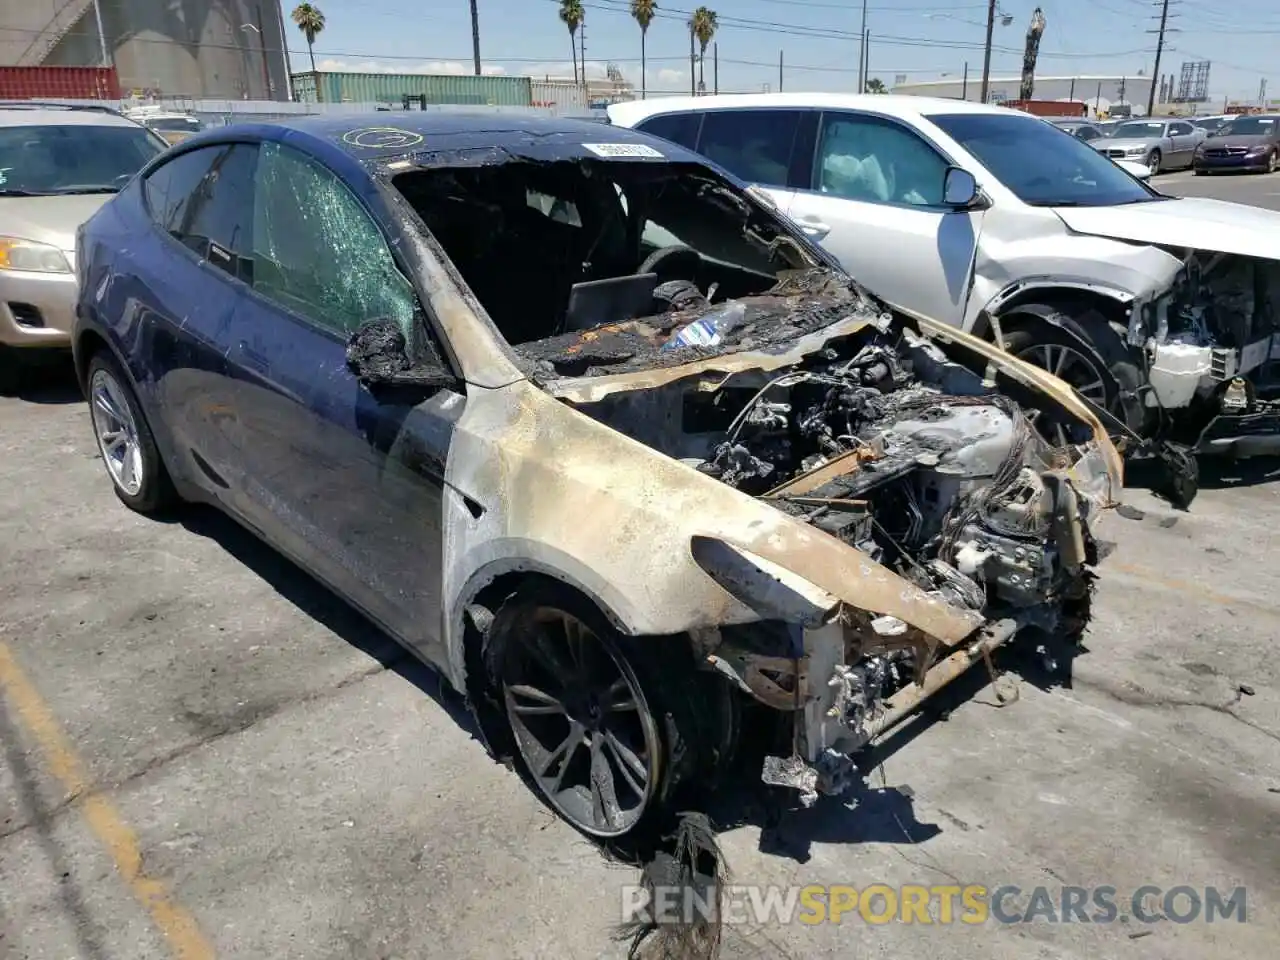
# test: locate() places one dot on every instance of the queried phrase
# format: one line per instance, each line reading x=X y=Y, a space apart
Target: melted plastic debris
x=378 y=354
x=793 y=308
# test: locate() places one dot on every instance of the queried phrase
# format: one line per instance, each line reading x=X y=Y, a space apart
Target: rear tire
x=125 y=441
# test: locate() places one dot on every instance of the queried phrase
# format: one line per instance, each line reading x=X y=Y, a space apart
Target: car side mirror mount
x=380 y=357
x=960 y=189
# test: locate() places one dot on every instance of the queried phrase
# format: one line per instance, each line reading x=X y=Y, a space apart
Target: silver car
x=1158 y=144
x=58 y=165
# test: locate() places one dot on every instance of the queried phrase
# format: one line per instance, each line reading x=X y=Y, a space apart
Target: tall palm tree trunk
x=643 y=71
x=475 y=35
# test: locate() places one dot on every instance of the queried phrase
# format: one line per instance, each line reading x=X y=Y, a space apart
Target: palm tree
x=642 y=11
x=475 y=35
x=571 y=14
x=703 y=25
x=876 y=85
x=311 y=22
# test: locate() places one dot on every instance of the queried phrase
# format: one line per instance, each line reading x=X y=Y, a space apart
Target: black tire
x=154 y=491
x=1154 y=159
x=1198 y=172
x=1110 y=365
x=1272 y=162
x=690 y=732
x=10 y=372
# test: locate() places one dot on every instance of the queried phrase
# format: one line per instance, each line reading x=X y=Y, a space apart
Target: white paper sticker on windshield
x=623 y=150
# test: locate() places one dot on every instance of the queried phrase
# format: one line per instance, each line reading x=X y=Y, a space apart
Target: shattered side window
x=317 y=251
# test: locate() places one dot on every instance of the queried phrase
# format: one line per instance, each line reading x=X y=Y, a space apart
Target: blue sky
x=923 y=39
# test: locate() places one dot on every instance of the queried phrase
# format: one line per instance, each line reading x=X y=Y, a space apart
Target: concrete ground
x=204 y=754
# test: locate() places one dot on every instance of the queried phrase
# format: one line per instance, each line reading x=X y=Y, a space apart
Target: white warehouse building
x=1099 y=92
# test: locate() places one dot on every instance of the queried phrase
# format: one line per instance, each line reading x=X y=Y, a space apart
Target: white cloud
x=667 y=75
x=450 y=67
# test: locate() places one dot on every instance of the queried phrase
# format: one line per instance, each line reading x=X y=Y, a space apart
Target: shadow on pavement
x=323 y=605
x=47 y=380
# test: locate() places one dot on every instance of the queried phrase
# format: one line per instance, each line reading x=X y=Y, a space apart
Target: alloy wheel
x=1069 y=364
x=1153 y=162
x=116 y=431
x=1271 y=162
x=580 y=722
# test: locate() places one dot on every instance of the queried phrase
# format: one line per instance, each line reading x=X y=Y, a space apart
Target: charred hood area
x=880 y=440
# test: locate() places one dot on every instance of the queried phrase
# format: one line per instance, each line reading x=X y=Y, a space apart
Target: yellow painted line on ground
x=178 y=926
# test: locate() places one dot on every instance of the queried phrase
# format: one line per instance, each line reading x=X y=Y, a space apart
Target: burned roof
x=381 y=137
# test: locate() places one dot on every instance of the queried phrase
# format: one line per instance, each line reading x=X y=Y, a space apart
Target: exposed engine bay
x=1208 y=341
x=883 y=442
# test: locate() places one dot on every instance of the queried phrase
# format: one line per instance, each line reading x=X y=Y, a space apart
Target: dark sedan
x=1246 y=143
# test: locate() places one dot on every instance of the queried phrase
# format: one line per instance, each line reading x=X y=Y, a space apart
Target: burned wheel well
x=695 y=708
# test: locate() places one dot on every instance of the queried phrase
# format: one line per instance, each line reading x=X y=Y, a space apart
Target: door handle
x=814 y=228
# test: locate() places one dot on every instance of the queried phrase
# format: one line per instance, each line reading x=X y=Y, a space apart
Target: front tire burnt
x=580 y=720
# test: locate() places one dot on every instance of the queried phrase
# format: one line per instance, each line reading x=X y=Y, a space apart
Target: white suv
x=997 y=222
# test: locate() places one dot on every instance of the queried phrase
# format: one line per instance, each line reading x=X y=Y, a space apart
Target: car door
x=875 y=195
x=759 y=146
x=1184 y=139
x=347 y=482
x=185 y=301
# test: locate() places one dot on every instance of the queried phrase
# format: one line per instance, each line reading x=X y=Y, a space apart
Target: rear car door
x=186 y=298
x=1185 y=139
x=349 y=483
x=875 y=192
x=768 y=148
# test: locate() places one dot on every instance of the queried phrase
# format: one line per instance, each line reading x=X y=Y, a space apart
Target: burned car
x=591 y=429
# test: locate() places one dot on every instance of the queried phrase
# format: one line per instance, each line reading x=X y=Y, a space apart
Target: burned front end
x=922 y=469
x=1209 y=343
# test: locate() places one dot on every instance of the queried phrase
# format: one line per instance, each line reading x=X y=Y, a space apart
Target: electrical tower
x=1163 y=29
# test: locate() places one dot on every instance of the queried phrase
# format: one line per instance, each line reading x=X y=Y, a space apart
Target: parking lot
x=205 y=754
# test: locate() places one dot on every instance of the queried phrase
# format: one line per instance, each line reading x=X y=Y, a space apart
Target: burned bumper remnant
x=940 y=520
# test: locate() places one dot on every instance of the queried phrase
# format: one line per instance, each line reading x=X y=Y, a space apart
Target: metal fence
x=219 y=113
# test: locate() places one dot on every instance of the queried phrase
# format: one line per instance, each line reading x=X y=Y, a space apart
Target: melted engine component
x=944 y=488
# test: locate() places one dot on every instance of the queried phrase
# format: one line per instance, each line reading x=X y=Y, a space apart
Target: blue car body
x=253 y=406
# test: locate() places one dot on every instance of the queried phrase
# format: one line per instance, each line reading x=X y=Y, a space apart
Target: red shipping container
x=1049 y=108
x=59 y=83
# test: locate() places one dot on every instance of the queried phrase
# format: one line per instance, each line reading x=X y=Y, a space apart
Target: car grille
x=1116 y=154
x=1226 y=151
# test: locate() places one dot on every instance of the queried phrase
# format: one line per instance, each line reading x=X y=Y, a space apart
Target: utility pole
x=102 y=37
x=866 y=58
x=475 y=35
x=862 y=51
x=693 y=74
x=1155 y=72
x=986 y=53
x=964 y=84
x=715 y=67
x=582 y=50
x=779 y=71
x=1262 y=93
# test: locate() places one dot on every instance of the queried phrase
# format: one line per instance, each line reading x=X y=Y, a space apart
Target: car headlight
x=1135 y=151
x=1261 y=148
x=28 y=255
